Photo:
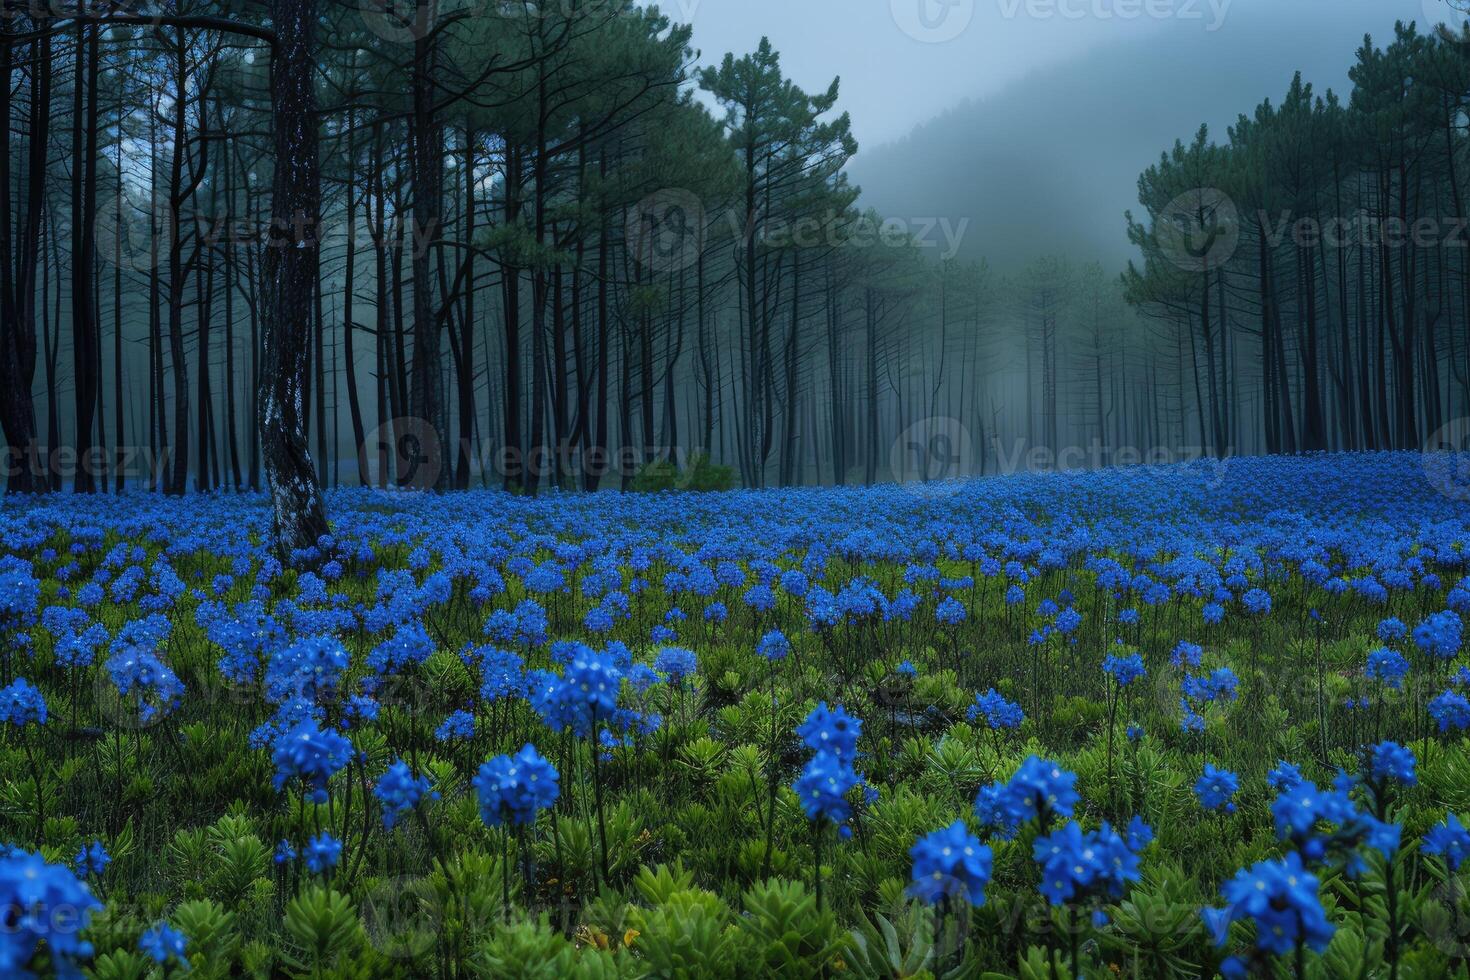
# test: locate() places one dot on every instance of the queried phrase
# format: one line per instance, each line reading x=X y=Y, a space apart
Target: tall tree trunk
x=424 y=402
x=290 y=274
x=466 y=360
x=18 y=331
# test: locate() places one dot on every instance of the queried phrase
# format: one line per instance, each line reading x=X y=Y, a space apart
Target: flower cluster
x=998 y=712
x=1076 y=864
x=44 y=904
x=310 y=755
x=1439 y=635
x=831 y=730
x=1328 y=825
x=163 y=944
x=21 y=704
x=399 y=791
x=1039 y=790
x=1281 y=898
x=1124 y=670
x=1216 y=789
x=513 y=788
x=1387 y=667
x=950 y=862
x=1449 y=841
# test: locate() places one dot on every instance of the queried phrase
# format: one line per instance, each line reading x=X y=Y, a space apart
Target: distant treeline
x=1314 y=271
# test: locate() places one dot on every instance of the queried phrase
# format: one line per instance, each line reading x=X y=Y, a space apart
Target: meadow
x=1154 y=721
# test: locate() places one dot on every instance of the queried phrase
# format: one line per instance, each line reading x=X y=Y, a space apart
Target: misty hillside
x=1051 y=163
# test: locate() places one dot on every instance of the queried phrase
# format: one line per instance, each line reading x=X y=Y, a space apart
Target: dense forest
x=543 y=246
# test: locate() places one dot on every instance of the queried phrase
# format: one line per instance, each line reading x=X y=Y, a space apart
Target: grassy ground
x=678 y=846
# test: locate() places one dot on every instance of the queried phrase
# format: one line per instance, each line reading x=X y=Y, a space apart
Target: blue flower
x=322 y=853
x=1186 y=654
x=1215 y=789
x=675 y=663
x=1213 y=612
x=1390 y=760
x=31 y=893
x=950 y=612
x=514 y=787
x=92 y=860
x=1450 y=710
x=996 y=710
x=308 y=668
x=313 y=756
x=774 y=646
x=399 y=792
x=1448 y=841
x=1387 y=667
x=1219 y=685
x=593 y=680
x=545 y=577
x=794 y=583
x=951 y=862
x=823 y=786
x=1327 y=825
x=284 y=853
x=1068 y=620
x=1039 y=788
x=1392 y=629
x=459 y=725
x=163 y=943
x=21 y=704
x=20 y=592
x=146 y=682
x=408 y=647
x=502 y=674
x=1285 y=776
x=1281 y=898
x=1439 y=635
x=1140 y=834
x=760 y=598
x=1074 y=863
x=1257 y=602
x=1124 y=670
x=598 y=620
x=832 y=730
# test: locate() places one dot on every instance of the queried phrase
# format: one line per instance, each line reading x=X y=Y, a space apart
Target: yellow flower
x=588 y=936
x=629 y=936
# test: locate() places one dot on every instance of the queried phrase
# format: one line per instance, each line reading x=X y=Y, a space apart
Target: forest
x=542 y=247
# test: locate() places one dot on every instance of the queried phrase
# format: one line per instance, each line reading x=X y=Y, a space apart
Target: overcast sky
x=903 y=61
